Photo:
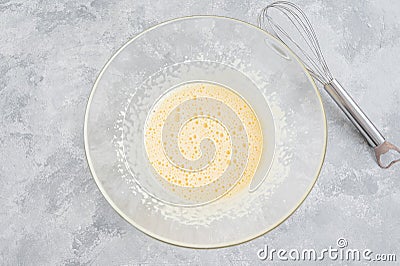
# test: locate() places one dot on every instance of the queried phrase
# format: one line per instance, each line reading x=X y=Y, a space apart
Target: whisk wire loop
x=313 y=60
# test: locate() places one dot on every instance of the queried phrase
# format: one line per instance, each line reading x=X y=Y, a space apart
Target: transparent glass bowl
x=218 y=50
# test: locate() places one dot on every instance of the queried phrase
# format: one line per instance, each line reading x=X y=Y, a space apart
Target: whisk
x=314 y=61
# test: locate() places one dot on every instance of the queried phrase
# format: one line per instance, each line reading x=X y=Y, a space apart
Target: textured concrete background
x=51 y=211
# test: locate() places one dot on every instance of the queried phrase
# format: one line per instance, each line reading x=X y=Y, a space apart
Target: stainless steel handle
x=354 y=113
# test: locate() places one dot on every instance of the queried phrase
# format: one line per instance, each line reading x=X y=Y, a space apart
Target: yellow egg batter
x=204 y=138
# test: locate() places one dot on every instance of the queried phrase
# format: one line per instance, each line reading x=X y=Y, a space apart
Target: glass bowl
x=215 y=52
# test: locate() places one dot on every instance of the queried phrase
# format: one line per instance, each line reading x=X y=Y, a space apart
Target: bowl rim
x=174 y=242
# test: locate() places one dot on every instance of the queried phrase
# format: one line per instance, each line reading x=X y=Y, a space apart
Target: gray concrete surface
x=51 y=212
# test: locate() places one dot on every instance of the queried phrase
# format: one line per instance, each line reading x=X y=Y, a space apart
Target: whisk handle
x=354 y=113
